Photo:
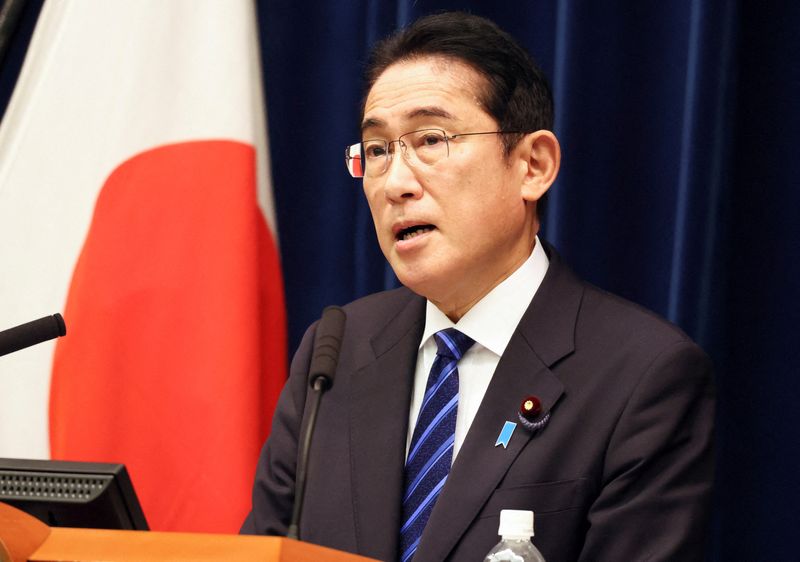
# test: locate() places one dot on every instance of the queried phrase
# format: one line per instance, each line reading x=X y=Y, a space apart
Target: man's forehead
x=422 y=88
x=410 y=115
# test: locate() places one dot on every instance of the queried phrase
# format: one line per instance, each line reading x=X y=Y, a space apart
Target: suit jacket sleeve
x=273 y=490
x=654 y=498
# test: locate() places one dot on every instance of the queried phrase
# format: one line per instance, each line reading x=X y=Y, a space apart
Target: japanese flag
x=135 y=199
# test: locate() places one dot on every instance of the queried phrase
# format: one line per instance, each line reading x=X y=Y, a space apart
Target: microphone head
x=60 y=326
x=327 y=342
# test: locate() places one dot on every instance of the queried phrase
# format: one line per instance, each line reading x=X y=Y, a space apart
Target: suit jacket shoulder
x=353 y=491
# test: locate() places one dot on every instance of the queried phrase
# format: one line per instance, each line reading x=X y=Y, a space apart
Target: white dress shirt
x=490 y=322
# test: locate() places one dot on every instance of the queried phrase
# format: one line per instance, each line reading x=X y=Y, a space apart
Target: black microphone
x=324 y=359
x=31 y=333
x=326 y=348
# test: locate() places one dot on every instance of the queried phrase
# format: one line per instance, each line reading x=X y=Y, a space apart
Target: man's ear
x=542 y=155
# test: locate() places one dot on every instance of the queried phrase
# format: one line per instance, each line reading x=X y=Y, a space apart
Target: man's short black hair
x=516 y=93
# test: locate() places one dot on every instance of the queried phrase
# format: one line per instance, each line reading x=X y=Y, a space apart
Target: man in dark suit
x=495 y=379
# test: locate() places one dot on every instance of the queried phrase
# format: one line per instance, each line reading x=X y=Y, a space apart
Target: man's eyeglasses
x=370 y=158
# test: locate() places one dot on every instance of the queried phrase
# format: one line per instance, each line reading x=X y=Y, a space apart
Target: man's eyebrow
x=372 y=123
x=429 y=111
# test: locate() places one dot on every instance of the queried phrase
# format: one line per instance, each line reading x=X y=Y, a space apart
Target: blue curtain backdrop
x=679 y=188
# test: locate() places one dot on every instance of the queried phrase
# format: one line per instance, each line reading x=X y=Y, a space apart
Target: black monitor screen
x=72 y=494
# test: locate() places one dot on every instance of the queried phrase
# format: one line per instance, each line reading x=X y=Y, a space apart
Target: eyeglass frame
x=404 y=147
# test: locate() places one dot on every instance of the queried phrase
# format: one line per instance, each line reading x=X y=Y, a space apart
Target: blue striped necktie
x=431 y=452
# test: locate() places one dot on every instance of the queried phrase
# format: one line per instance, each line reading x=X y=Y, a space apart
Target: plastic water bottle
x=516 y=530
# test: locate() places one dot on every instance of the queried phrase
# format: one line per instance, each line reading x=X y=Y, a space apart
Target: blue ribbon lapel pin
x=505 y=434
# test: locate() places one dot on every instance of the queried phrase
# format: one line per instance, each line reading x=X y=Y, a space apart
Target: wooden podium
x=24 y=538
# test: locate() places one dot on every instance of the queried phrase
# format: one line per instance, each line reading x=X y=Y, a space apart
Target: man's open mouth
x=413 y=231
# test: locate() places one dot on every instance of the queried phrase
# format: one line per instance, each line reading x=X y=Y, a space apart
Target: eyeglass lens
x=370 y=158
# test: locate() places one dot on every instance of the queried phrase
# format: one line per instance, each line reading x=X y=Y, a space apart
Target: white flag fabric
x=135 y=199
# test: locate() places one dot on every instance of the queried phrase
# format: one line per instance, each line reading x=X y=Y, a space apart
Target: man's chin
x=412 y=278
x=425 y=283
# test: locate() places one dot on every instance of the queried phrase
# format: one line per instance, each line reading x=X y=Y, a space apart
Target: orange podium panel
x=25 y=538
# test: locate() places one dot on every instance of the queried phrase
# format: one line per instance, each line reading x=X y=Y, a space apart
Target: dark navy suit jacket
x=621 y=472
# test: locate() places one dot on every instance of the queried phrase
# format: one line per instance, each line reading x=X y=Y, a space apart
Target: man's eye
x=432 y=139
x=375 y=151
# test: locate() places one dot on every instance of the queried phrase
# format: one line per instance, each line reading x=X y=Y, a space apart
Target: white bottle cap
x=516 y=524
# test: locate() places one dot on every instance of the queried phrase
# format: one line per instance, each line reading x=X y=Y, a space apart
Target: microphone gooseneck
x=324 y=359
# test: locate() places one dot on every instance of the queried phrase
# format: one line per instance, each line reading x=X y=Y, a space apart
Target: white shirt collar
x=493 y=319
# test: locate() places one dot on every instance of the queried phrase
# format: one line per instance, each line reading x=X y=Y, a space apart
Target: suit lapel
x=544 y=336
x=381 y=393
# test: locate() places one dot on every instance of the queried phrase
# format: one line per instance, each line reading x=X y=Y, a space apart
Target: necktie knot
x=452 y=344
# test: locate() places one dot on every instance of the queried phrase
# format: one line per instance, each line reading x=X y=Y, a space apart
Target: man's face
x=454 y=229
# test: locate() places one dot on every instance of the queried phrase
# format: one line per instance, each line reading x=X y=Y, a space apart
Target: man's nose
x=401 y=181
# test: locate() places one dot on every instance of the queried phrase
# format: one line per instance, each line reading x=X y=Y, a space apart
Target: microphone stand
x=323 y=366
x=319 y=386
